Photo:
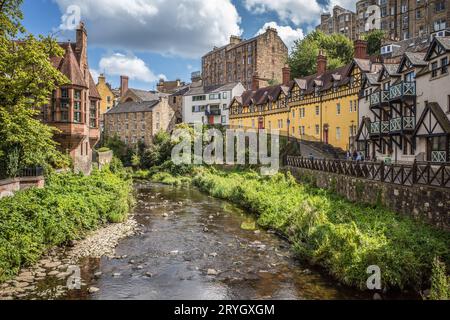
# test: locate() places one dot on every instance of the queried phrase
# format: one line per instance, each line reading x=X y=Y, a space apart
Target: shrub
x=440 y=283
x=343 y=237
x=70 y=205
x=104 y=149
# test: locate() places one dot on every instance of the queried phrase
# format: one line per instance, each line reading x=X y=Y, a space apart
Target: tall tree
x=27 y=80
x=303 y=59
x=374 y=41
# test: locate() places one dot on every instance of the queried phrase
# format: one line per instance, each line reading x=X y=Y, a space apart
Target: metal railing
x=417 y=173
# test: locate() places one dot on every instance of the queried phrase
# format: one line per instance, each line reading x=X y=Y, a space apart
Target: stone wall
x=431 y=204
x=104 y=158
x=10 y=186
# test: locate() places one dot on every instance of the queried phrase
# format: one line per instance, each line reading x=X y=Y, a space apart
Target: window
x=224 y=119
x=317 y=110
x=65 y=93
x=440 y=6
x=280 y=124
x=108 y=98
x=93 y=115
x=444 y=65
x=77 y=95
x=434 y=69
x=351 y=106
x=253 y=123
x=77 y=112
x=198 y=109
x=317 y=129
x=225 y=95
x=158 y=119
x=214 y=96
x=293 y=113
x=338 y=109
x=302 y=130
x=338 y=133
x=198 y=98
x=440 y=24
x=410 y=76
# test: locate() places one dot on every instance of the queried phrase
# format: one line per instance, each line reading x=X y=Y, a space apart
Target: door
x=211 y=120
x=261 y=123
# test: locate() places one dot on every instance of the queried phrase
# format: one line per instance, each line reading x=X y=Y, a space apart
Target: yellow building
x=322 y=107
x=109 y=99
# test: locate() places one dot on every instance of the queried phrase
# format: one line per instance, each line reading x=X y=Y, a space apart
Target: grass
x=343 y=237
x=66 y=209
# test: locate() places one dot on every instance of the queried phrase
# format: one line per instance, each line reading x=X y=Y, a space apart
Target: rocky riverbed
x=59 y=266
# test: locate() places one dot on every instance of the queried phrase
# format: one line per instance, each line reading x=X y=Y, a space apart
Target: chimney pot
x=123 y=85
x=321 y=63
x=360 y=49
x=286 y=75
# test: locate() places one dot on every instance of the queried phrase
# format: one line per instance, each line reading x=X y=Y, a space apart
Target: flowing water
x=185 y=235
x=193 y=246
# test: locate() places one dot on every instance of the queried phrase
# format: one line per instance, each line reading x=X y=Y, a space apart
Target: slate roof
x=199 y=90
x=133 y=107
x=416 y=58
x=68 y=65
x=93 y=92
x=147 y=95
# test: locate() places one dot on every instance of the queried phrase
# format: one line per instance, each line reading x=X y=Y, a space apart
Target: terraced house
x=405 y=108
x=322 y=107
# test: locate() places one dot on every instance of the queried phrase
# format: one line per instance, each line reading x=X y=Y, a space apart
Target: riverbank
x=61 y=263
x=69 y=208
x=342 y=237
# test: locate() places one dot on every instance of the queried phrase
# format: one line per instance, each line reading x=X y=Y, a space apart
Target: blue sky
x=149 y=39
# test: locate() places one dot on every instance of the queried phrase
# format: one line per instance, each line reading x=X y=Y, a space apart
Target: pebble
x=148 y=275
x=116 y=275
x=98 y=274
x=165 y=215
x=212 y=272
x=213 y=254
x=93 y=290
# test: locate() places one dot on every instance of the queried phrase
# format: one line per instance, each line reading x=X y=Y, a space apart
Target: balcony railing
x=385 y=127
x=378 y=98
x=409 y=123
x=438 y=156
x=213 y=112
x=402 y=89
x=375 y=128
x=396 y=125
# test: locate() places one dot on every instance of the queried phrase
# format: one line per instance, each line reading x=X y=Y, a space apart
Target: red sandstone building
x=74 y=108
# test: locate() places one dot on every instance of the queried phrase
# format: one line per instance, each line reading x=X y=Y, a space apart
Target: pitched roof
x=133 y=107
x=439 y=114
x=93 y=92
x=147 y=95
x=416 y=58
x=198 y=90
x=68 y=65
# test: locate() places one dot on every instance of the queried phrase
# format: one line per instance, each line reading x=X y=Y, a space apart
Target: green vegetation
x=103 y=149
x=303 y=59
x=440 y=283
x=374 y=41
x=342 y=237
x=27 y=80
x=66 y=209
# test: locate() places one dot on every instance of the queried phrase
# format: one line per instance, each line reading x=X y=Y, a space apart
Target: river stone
x=212 y=272
x=116 y=275
x=52 y=265
x=98 y=274
x=214 y=254
x=53 y=273
x=21 y=284
x=165 y=215
x=148 y=275
x=377 y=296
x=93 y=290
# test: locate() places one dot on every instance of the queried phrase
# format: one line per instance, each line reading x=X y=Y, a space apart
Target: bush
x=70 y=205
x=343 y=237
x=103 y=149
x=440 y=283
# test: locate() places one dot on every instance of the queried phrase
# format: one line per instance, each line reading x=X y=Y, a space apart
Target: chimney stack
x=81 y=46
x=321 y=63
x=286 y=75
x=361 y=49
x=123 y=85
x=255 y=82
x=102 y=79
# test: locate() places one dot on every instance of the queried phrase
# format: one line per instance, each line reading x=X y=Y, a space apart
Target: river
x=192 y=246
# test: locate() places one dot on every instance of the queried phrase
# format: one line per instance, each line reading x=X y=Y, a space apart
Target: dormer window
x=316 y=91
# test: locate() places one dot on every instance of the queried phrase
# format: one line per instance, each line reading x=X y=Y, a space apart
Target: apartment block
x=342 y=21
x=264 y=56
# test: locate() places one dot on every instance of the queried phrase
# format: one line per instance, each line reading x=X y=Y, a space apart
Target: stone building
x=170 y=86
x=74 y=109
x=264 y=55
x=404 y=19
x=322 y=107
x=139 y=116
x=342 y=21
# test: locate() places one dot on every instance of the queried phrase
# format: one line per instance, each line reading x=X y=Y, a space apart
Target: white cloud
x=298 y=12
x=187 y=28
x=119 y=64
x=95 y=74
x=286 y=33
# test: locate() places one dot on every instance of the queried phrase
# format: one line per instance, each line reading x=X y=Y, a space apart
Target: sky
x=152 y=39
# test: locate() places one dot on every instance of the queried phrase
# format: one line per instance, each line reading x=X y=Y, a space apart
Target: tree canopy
x=374 y=41
x=303 y=58
x=27 y=80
